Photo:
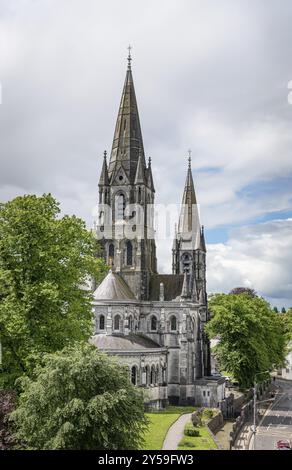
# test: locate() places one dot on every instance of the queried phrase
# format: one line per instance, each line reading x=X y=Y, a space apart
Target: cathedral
x=153 y=323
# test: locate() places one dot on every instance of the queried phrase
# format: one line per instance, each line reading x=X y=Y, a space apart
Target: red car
x=283 y=445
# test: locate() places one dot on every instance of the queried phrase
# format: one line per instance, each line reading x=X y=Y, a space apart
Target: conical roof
x=127 y=141
x=113 y=287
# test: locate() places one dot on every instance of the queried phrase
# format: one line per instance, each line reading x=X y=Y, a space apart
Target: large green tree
x=251 y=335
x=45 y=260
x=79 y=399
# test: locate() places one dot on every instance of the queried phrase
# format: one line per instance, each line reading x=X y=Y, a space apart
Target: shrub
x=190 y=430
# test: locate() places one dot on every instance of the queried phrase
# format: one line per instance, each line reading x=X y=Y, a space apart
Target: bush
x=208 y=413
x=190 y=430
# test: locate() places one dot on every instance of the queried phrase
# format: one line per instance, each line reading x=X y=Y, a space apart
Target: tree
x=286 y=320
x=244 y=290
x=44 y=262
x=251 y=335
x=283 y=310
x=276 y=309
x=79 y=399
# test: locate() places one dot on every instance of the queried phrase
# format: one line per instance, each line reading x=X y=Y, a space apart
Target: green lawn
x=202 y=442
x=160 y=422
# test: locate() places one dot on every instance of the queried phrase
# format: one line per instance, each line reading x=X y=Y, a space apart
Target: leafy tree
x=44 y=263
x=79 y=399
x=251 y=335
x=286 y=320
x=244 y=290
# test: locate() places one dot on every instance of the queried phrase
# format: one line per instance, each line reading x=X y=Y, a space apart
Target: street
x=277 y=423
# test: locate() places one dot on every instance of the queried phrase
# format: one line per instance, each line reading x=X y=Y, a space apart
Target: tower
x=189 y=248
x=126 y=196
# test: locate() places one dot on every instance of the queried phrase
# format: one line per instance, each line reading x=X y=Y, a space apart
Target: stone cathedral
x=154 y=323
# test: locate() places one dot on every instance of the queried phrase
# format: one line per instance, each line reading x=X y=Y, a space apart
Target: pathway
x=176 y=432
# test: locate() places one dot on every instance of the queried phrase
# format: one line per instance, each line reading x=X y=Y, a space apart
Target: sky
x=210 y=75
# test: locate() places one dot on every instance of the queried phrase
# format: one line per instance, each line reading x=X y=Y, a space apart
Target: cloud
x=208 y=75
x=257 y=256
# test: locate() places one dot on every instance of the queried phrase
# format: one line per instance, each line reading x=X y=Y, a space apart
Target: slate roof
x=172 y=286
x=130 y=342
x=113 y=287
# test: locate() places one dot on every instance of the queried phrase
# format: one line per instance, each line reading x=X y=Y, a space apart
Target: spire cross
x=149 y=161
x=190 y=157
x=104 y=154
x=129 y=56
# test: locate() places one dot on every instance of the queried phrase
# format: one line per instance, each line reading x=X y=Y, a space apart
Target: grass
x=159 y=424
x=202 y=442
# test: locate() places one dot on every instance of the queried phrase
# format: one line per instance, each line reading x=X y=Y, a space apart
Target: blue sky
x=209 y=75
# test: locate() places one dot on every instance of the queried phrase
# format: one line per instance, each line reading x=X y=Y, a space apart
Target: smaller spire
x=104 y=178
x=129 y=58
x=150 y=183
x=194 y=290
x=139 y=177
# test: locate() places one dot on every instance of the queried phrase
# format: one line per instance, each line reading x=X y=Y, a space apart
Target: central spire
x=127 y=142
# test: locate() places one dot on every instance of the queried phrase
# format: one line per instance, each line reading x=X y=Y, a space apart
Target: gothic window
x=153 y=323
x=130 y=320
x=173 y=325
x=152 y=375
x=134 y=375
x=186 y=261
x=120 y=206
x=157 y=375
x=139 y=194
x=129 y=253
x=101 y=322
x=147 y=375
x=117 y=321
x=111 y=254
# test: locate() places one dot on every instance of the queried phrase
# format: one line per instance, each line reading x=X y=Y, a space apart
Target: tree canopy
x=44 y=263
x=251 y=335
x=244 y=290
x=79 y=399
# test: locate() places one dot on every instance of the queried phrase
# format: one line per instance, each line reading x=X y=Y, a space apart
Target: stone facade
x=153 y=323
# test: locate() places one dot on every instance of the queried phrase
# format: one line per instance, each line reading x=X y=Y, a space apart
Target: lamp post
x=255 y=405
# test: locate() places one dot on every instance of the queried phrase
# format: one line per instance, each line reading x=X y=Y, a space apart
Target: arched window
x=120 y=206
x=111 y=254
x=173 y=325
x=153 y=323
x=186 y=261
x=111 y=250
x=117 y=321
x=139 y=195
x=129 y=249
x=101 y=322
x=152 y=375
x=157 y=375
x=130 y=323
x=147 y=375
x=134 y=375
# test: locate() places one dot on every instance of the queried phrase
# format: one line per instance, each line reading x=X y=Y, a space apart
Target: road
x=277 y=422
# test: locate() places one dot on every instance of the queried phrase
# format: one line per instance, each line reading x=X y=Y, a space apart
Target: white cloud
x=257 y=256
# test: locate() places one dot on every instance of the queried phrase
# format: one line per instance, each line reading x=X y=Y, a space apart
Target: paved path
x=176 y=432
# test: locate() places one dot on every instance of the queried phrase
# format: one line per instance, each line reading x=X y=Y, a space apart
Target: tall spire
x=104 y=179
x=127 y=141
x=189 y=216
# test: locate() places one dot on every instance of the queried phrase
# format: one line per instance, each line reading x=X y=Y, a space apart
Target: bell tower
x=126 y=196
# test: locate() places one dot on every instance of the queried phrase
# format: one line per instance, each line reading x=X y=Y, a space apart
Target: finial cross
x=190 y=157
x=129 y=55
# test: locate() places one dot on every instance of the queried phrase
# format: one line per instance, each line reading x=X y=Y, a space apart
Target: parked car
x=283 y=444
